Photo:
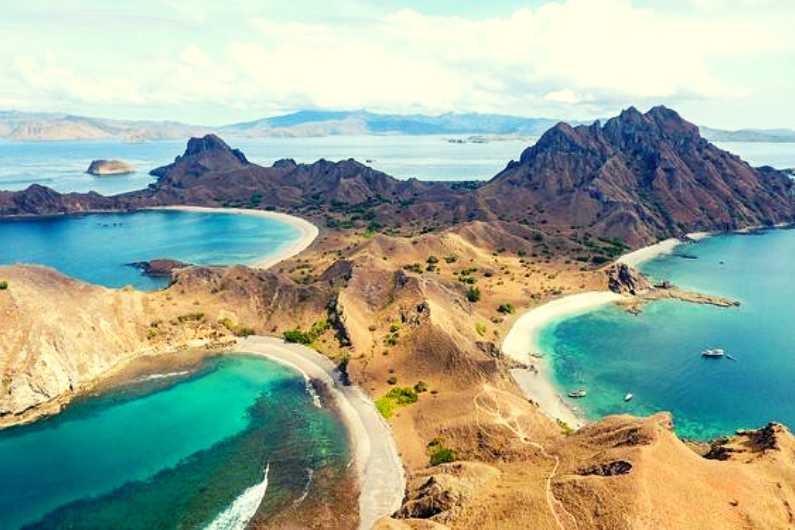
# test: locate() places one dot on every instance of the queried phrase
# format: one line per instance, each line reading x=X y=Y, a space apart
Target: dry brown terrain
x=401 y=324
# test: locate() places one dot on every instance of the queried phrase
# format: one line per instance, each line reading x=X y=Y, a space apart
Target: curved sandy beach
x=522 y=339
x=308 y=231
x=379 y=468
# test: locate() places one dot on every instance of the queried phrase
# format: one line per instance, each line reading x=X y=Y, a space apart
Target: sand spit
x=380 y=471
x=308 y=231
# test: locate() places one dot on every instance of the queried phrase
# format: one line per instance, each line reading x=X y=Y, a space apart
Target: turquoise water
x=97 y=247
x=171 y=452
x=656 y=355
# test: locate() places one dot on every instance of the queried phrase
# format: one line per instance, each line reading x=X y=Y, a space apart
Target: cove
x=180 y=450
x=657 y=354
x=97 y=248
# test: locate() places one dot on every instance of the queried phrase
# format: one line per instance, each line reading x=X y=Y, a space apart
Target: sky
x=721 y=63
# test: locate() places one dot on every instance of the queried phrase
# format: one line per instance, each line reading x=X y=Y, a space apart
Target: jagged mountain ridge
x=639 y=178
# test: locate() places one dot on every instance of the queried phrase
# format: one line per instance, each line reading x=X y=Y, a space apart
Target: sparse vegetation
x=190 y=317
x=236 y=329
x=306 y=337
x=480 y=327
x=439 y=454
x=473 y=294
x=506 y=309
x=399 y=396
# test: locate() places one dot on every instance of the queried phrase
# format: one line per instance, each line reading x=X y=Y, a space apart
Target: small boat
x=577 y=394
x=714 y=353
x=628 y=397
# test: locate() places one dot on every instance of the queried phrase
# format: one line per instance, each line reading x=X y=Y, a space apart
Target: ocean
x=98 y=248
x=189 y=449
x=656 y=355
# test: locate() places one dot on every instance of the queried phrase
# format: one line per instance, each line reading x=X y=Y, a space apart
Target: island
x=109 y=167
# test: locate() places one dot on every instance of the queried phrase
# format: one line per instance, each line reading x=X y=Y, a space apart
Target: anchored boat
x=576 y=394
x=714 y=353
x=628 y=397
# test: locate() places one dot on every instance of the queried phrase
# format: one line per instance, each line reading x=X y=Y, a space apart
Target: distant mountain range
x=43 y=126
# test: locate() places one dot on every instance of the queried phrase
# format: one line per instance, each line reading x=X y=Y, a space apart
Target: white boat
x=628 y=397
x=716 y=352
x=576 y=394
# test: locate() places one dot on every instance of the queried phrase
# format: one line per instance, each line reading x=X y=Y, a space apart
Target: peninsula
x=411 y=287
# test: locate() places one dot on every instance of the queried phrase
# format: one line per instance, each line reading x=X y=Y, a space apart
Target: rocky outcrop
x=159 y=268
x=109 y=167
x=41 y=200
x=623 y=279
x=639 y=178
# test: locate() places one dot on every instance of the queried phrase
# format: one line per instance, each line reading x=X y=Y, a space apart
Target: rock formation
x=109 y=167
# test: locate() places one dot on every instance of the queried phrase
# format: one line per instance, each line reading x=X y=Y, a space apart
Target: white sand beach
x=308 y=231
x=522 y=340
x=381 y=476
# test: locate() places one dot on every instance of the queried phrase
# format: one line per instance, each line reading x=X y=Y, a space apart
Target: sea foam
x=238 y=514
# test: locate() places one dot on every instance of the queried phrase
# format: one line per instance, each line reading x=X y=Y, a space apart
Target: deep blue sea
x=185 y=450
x=657 y=355
x=97 y=248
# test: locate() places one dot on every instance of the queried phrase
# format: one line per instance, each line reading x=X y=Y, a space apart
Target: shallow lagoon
x=173 y=451
x=657 y=354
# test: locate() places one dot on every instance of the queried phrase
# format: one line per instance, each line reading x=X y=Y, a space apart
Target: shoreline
x=308 y=231
x=522 y=338
x=378 y=466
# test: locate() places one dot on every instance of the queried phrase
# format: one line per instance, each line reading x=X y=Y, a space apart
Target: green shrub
x=307 y=337
x=421 y=387
x=191 y=317
x=439 y=454
x=402 y=395
x=385 y=406
x=450 y=259
x=392 y=380
x=395 y=326
x=506 y=309
x=3 y=285
x=432 y=260
x=473 y=294
x=480 y=328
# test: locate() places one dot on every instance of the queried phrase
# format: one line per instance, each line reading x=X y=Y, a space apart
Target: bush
x=480 y=328
x=506 y=309
x=385 y=406
x=421 y=387
x=450 y=259
x=402 y=395
x=439 y=454
x=191 y=317
x=3 y=285
x=432 y=260
x=392 y=380
x=307 y=337
x=237 y=329
x=473 y=294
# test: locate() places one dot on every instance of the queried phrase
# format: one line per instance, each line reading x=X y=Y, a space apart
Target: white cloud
x=591 y=54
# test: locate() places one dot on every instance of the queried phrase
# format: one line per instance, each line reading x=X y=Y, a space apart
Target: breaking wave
x=238 y=514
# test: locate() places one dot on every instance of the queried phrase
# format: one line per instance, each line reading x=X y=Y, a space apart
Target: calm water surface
x=98 y=248
x=172 y=452
x=657 y=354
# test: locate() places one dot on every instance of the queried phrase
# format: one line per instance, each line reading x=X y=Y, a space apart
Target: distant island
x=43 y=126
x=109 y=167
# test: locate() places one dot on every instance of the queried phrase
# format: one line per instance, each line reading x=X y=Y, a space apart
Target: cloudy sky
x=724 y=63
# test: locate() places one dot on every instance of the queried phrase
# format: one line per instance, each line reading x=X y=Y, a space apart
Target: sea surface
x=203 y=449
x=656 y=355
x=62 y=165
x=98 y=248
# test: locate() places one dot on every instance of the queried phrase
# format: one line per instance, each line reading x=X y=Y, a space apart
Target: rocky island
x=109 y=167
x=411 y=287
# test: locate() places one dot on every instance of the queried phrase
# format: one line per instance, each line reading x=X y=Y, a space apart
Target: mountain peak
x=208 y=153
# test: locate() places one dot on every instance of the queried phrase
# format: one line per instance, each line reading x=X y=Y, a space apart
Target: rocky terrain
x=411 y=287
x=639 y=178
x=109 y=167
